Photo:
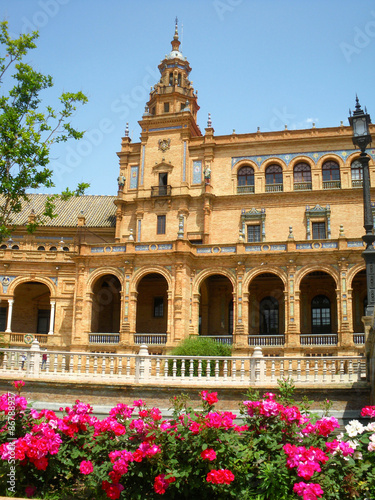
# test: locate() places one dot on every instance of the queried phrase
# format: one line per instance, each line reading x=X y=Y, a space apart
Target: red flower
x=30 y=491
x=208 y=454
x=222 y=476
x=210 y=397
x=161 y=483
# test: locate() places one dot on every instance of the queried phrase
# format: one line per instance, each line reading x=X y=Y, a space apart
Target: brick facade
x=197 y=247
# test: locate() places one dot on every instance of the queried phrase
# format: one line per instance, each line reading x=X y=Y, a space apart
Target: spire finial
x=209 y=121
x=176 y=29
x=127 y=130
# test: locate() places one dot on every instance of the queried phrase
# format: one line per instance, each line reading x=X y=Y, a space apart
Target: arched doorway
x=216 y=306
x=359 y=300
x=32 y=308
x=152 y=304
x=266 y=305
x=106 y=305
x=318 y=305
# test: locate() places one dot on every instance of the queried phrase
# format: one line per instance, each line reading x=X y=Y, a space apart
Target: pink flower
x=139 y=402
x=86 y=467
x=210 y=397
x=222 y=476
x=309 y=491
x=368 y=411
x=18 y=384
x=161 y=483
x=208 y=454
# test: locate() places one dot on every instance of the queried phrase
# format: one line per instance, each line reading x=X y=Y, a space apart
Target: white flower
x=357 y=455
x=370 y=426
x=353 y=444
x=354 y=428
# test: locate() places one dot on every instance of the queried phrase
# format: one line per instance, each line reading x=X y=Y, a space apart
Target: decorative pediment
x=318 y=211
x=163 y=166
x=253 y=214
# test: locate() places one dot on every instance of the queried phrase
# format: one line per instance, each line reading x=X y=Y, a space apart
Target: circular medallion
x=28 y=338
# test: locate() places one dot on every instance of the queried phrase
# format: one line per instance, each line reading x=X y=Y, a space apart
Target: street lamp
x=360 y=122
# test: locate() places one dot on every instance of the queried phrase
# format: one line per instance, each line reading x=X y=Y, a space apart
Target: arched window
x=357 y=173
x=331 y=175
x=321 y=314
x=53 y=249
x=41 y=248
x=302 y=177
x=15 y=247
x=245 y=180
x=179 y=79
x=269 y=316
x=3 y=247
x=274 y=178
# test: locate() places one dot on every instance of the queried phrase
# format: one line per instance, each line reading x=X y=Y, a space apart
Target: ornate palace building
x=252 y=239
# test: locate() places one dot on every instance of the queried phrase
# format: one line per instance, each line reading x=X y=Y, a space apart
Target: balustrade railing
x=150 y=338
x=19 y=338
x=104 y=338
x=245 y=189
x=302 y=186
x=359 y=338
x=221 y=339
x=265 y=340
x=189 y=370
x=331 y=184
x=357 y=183
x=273 y=188
x=317 y=339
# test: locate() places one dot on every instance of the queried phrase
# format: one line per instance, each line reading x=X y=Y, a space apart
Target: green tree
x=28 y=128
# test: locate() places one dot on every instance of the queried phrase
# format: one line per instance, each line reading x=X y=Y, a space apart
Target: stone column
x=9 y=318
x=52 y=318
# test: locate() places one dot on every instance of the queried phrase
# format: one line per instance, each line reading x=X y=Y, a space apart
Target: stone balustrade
x=181 y=370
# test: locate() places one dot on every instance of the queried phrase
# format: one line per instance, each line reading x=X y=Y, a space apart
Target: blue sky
x=259 y=63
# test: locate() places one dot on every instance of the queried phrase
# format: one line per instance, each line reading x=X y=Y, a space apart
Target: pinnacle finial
x=127 y=130
x=176 y=29
x=209 y=121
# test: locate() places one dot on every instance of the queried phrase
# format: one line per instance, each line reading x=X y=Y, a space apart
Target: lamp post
x=360 y=122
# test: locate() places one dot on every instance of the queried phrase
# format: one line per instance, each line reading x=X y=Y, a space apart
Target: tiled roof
x=99 y=211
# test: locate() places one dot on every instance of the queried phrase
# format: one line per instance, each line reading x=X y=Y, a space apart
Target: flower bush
x=280 y=451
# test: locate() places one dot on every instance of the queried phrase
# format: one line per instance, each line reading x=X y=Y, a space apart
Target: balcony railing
x=150 y=338
x=161 y=191
x=317 y=339
x=221 y=339
x=265 y=340
x=104 y=338
x=19 y=338
x=331 y=184
x=359 y=338
x=245 y=189
x=302 y=186
x=357 y=183
x=273 y=188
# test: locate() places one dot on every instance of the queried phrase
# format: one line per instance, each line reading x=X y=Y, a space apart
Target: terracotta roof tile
x=99 y=211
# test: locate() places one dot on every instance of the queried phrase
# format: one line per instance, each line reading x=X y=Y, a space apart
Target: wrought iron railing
x=318 y=339
x=161 y=191
x=302 y=186
x=273 y=188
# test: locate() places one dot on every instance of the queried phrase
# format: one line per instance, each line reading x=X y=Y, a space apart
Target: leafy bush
x=279 y=453
x=198 y=346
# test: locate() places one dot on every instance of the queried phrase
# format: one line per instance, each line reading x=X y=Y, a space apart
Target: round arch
x=330 y=157
x=301 y=159
x=244 y=163
x=152 y=303
x=103 y=271
x=251 y=275
x=273 y=161
x=33 y=307
x=40 y=279
x=141 y=273
x=302 y=273
x=106 y=304
x=210 y=272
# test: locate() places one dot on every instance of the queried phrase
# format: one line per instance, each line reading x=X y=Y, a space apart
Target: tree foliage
x=28 y=128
